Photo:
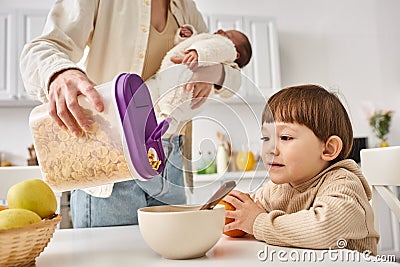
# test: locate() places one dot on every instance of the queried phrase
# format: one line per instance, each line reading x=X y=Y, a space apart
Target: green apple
x=13 y=218
x=34 y=195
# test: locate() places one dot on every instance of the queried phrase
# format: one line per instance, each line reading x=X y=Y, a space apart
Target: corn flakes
x=70 y=162
x=154 y=161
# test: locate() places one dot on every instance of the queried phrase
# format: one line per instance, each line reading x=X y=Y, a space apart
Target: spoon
x=218 y=195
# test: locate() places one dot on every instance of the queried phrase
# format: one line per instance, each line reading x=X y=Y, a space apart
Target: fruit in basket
x=13 y=218
x=235 y=232
x=34 y=195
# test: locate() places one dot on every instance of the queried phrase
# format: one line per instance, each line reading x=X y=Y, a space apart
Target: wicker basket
x=21 y=246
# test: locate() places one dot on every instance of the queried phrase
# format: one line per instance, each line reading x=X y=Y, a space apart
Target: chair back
x=381 y=166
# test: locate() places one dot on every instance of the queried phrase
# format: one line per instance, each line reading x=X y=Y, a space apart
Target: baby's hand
x=185 y=32
x=191 y=59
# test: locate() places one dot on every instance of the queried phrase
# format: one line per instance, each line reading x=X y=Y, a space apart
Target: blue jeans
x=127 y=197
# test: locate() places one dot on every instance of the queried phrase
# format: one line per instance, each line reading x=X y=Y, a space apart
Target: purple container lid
x=139 y=123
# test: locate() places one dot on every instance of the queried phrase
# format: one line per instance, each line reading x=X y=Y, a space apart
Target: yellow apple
x=34 y=195
x=13 y=218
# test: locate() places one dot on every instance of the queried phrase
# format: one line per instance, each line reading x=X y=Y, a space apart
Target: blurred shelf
x=12 y=103
x=255 y=174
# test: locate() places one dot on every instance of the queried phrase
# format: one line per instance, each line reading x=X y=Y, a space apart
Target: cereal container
x=124 y=141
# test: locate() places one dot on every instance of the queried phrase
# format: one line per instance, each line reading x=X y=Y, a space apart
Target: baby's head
x=242 y=44
x=318 y=110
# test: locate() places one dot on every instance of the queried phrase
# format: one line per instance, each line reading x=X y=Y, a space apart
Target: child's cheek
x=264 y=155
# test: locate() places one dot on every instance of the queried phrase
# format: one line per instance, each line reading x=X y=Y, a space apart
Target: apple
x=13 y=218
x=34 y=195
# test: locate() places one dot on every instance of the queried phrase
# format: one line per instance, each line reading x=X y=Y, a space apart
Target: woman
x=121 y=36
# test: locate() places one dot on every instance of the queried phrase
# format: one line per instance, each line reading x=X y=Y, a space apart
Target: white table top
x=124 y=246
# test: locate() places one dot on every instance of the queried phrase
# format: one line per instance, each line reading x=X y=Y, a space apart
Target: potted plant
x=380 y=121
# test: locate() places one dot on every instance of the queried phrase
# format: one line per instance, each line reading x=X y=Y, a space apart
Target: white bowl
x=181 y=232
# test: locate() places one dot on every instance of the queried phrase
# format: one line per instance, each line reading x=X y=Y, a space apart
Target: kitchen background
x=349 y=46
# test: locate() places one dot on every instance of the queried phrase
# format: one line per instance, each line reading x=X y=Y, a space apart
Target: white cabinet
x=262 y=75
x=7 y=53
x=239 y=117
x=17 y=26
x=30 y=25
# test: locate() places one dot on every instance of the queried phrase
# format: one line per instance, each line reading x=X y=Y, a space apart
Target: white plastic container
x=124 y=141
x=222 y=159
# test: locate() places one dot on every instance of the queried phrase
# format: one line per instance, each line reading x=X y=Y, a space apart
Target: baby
x=228 y=47
x=316 y=199
x=242 y=45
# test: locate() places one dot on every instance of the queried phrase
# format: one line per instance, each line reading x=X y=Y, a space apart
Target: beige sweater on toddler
x=332 y=206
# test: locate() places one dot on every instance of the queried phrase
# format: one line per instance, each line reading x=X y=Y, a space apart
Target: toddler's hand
x=245 y=214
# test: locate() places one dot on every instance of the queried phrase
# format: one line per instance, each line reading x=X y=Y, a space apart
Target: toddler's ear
x=333 y=147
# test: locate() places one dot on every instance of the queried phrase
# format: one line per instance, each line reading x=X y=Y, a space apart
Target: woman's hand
x=63 y=99
x=245 y=214
x=202 y=80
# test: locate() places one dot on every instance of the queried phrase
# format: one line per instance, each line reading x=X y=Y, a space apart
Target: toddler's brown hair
x=316 y=108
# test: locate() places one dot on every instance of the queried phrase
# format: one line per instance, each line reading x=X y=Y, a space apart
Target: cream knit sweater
x=166 y=87
x=316 y=214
